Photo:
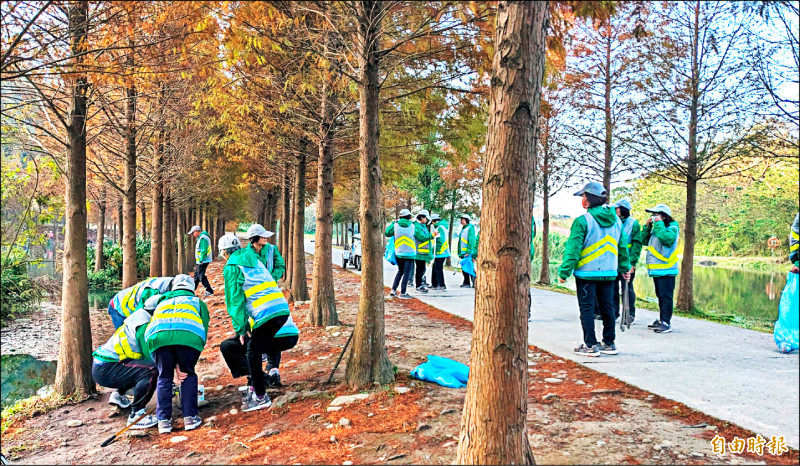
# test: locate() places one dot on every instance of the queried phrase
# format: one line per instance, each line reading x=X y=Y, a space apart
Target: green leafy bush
x=110 y=276
x=17 y=290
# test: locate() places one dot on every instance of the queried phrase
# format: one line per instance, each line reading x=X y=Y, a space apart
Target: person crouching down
x=251 y=293
x=176 y=336
x=124 y=362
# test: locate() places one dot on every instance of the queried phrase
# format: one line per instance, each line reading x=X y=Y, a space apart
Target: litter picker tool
x=341 y=355
x=115 y=436
x=625 y=321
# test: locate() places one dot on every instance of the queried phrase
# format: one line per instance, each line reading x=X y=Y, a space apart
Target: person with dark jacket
x=661 y=235
x=596 y=254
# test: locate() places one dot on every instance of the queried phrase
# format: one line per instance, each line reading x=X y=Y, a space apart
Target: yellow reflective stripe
x=663 y=266
x=795 y=235
x=179 y=315
x=794 y=247
x=589 y=249
x=260 y=287
x=424 y=247
x=598 y=253
x=123 y=348
x=404 y=240
x=443 y=247
x=267 y=298
x=129 y=300
x=660 y=257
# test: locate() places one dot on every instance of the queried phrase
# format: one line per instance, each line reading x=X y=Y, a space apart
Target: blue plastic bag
x=468 y=266
x=388 y=254
x=443 y=371
x=787 y=327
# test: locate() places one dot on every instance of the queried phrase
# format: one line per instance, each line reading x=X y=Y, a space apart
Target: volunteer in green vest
x=128 y=300
x=257 y=308
x=467 y=246
x=533 y=235
x=425 y=251
x=596 y=254
x=407 y=235
x=794 y=244
x=442 y=252
x=661 y=234
x=202 y=256
x=631 y=229
x=176 y=335
x=124 y=362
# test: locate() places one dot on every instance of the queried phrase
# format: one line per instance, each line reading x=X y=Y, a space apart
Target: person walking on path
x=631 y=229
x=124 y=362
x=425 y=251
x=257 y=308
x=442 y=252
x=406 y=236
x=661 y=234
x=176 y=336
x=202 y=256
x=467 y=247
x=596 y=254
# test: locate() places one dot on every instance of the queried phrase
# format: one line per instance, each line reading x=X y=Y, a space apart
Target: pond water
x=744 y=293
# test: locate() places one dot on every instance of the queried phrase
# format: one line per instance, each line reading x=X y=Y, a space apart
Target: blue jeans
x=116 y=317
x=166 y=358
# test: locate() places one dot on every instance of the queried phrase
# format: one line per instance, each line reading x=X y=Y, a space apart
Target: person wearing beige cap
x=202 y=255
x=661 y=235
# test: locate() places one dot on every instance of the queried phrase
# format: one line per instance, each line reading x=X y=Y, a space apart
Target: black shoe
x=654 y=325
x=422 y=289
x=465 y=286
x=663 y=328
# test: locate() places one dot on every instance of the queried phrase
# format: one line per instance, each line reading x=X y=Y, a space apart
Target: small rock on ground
x=178 y=439
x=553 y=380
x=344 y=422
x=402 y=390
x=74 y=423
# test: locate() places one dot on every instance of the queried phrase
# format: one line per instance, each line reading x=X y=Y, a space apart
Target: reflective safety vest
x=794 y=236
x=125 y=300
x=288 y=329
x=122 y=345
x=404 y=243
x=424 y=247
x=662 y=260
x=442 y=243
x=178 y=313
x=600 y=249
x=263 y=298
x=270 y=257
x=463 y=243
x=627 y=229
x=198 y=254
x=162 y=284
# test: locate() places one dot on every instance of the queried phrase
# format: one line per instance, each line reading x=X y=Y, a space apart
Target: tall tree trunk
x=101 y=230
x=129 y=277
x=285 y=214
x=685 y=289
x=181 y=243
x=299 y=284
x=121 y=220
x=493 y=424
x=369 y=361
x=168 y=241
x=323 y=299
x=188 y=222
x=544 y=275
x=607 y=115
x=452 y=226
x=143 y=210
x=157 y=235
x=74 y=367
x=175 y=239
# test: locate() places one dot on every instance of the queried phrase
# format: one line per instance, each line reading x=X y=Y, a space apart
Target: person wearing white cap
x=268 y=254
x=596 y=254
x=202 y=256
x=406 y=237
x=424 y=250
x=661 y=235
x=632 y=230
x=442 y=250
x=467 y=246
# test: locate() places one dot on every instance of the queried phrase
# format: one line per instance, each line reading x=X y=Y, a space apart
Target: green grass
x=33 y=406
x=762 y=264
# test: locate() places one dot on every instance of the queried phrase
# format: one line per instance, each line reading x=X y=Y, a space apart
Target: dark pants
x=437 y=276
x=405 y=270
x=593 y=293
x=468 y=278
x=235 y=354
x=166 y=358
x=665 y=289
x=420 y=272
x=126 y=375
x=618 y=286
x=200 y=276
x=262 y=340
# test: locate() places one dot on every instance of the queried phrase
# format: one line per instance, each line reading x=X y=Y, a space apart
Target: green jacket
x=202 y=249
x=442 y=227
x=147 y=293
x=533 y=235
x=636 y=243
x=179 y=337
x=667 y=236
x=472 y=242
x=147 y=357
x=278 y=264
x=426 y=230
x=605 y=216
x=421 y=234
x=235 y=301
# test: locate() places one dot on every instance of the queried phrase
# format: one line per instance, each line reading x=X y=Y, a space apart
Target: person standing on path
x=442 y=250
x=631 y=230
x=176 y=335
x=406 y=236
x=424 y=250
x=467 y=247
x=124 y=362
x=257 y=308
x=202 y=256
x=596 y=254
x=661 y=235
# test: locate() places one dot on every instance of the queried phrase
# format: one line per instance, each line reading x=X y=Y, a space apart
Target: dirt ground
x=586 y=418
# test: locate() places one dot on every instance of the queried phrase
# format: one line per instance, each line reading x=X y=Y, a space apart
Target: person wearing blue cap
x=661 y=235
x=596 y=254
x=631 y=230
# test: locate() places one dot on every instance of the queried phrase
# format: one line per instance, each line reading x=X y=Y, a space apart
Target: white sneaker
x=192 y=423
x=120 y=400
x=145 y=423
x=164 y=426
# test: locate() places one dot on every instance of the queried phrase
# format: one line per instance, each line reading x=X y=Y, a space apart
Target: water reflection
x=22 y=375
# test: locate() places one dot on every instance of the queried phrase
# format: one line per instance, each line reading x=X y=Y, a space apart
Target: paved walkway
x=727 y=372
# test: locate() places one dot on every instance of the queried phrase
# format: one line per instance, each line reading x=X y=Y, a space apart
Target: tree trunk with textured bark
x=129 y=270
x=493 y=423
x=285 y=212
x=101 y=230
x=157 y=224
x=544 y=275
x=299 y=284
x=369 y=361
x=168 y=239
x=74 y=367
